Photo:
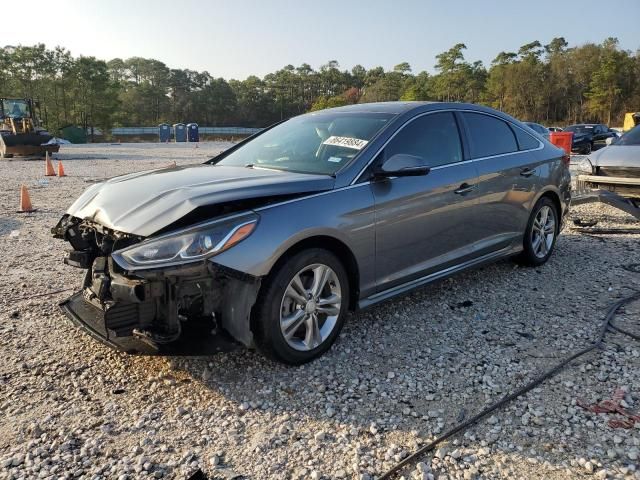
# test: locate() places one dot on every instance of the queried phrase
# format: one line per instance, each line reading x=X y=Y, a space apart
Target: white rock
x=588 y=466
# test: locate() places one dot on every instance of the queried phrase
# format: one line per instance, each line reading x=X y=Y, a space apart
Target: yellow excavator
x=20 y=131
x=631 y=119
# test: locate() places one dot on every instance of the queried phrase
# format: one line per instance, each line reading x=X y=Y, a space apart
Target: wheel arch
x=555 y=198
x=339 y=249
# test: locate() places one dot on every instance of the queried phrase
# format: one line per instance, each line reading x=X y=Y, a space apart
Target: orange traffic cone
x=61 y=170
x=48 y=167
x=25 y=201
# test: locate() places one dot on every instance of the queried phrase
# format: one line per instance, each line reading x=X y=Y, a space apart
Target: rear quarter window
x=489 y=135
x=525 y=141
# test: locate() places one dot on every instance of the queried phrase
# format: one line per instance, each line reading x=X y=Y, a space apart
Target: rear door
x=508 y=179
x=423 y=223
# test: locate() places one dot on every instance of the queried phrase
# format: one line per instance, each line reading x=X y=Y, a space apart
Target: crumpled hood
x=143 y=203
x=617 y=156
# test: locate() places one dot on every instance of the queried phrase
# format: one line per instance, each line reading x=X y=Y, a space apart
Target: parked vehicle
x=540 y=129
x=277 y=238
x=20 y=129
x=555 y=129
x=589 y=136
x=615 y=168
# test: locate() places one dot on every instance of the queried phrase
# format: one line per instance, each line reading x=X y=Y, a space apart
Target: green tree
x=94 y=95
x=555 y=83
x=457 y=80
x=605 y=85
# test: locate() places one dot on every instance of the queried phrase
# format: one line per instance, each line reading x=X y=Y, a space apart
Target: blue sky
x=234 y=39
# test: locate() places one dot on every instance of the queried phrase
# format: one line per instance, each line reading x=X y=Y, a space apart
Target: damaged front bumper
x=94 y=321
x=625 y=186
x=176 y=310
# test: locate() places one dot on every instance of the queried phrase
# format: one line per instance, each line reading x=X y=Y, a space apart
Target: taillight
x=566 y=159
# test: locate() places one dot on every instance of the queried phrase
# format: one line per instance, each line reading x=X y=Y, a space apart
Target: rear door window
x=489 y=135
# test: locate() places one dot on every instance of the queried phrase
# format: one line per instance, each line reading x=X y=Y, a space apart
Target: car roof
x=380 y=107
x=400 y=107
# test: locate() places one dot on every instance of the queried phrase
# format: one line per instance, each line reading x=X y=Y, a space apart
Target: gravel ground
x=400 y=373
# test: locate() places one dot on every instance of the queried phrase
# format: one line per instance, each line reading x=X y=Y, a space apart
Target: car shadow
x=8 y=225
x=409 y=352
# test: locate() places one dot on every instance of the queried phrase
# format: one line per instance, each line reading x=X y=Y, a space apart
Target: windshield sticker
x=346 y=142
x=334 y=159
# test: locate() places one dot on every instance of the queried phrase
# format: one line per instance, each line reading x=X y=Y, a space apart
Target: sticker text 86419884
x=346 y=142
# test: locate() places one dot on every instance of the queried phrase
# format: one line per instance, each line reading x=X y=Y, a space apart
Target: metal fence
x=203 y=130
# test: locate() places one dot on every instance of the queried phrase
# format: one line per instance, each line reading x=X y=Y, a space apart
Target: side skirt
x=432 y=277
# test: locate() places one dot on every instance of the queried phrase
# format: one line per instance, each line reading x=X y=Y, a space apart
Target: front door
x=424 y=223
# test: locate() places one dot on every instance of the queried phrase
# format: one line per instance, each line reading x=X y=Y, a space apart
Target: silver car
x=615 y=168
x=275 y=240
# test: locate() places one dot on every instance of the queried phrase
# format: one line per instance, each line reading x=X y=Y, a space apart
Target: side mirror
x=402 y=165
x=610 y=140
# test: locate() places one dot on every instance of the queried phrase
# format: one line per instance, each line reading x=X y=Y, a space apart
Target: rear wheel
x=588 y=148
x=301 y=307
x=541 y=233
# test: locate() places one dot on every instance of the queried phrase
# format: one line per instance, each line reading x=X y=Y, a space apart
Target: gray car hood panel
x=143 y=203
x=617 y=156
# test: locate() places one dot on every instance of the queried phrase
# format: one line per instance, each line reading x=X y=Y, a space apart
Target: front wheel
x=301 y=307
x=541 y=234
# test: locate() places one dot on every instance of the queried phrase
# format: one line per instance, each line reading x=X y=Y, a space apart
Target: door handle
x=464 y=189
x=527 y=172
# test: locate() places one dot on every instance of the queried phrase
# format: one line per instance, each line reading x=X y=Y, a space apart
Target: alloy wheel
x=310 y=307
x=543 y=231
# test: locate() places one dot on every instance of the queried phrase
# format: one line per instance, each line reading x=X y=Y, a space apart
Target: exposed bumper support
x=609 y=198
x=605 y=180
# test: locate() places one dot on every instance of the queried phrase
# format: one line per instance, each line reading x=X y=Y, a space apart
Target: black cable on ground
x=608 y=231
x=625 y=332
x=606 y=325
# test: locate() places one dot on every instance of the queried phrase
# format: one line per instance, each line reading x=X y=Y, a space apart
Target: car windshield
x=632 y=137
x=319 y=143
x=579 y=128
x=15 y=109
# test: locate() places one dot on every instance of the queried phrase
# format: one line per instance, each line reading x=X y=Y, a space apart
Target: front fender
x=346 y=214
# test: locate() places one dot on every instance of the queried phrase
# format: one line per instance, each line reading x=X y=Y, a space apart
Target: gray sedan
x=277 y=238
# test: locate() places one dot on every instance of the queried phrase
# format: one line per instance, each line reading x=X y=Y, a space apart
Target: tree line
x=550 y=84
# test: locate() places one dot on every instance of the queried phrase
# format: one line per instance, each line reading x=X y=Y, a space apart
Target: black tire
x=588 y=149
x=531 y=255
x=266 y=314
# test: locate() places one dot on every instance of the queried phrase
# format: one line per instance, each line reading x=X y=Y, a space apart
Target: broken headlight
x=189 y=245
x=584 y=166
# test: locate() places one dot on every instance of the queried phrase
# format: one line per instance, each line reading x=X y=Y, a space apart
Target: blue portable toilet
x=164 y=132
x=192 y=132
x=179 y=132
